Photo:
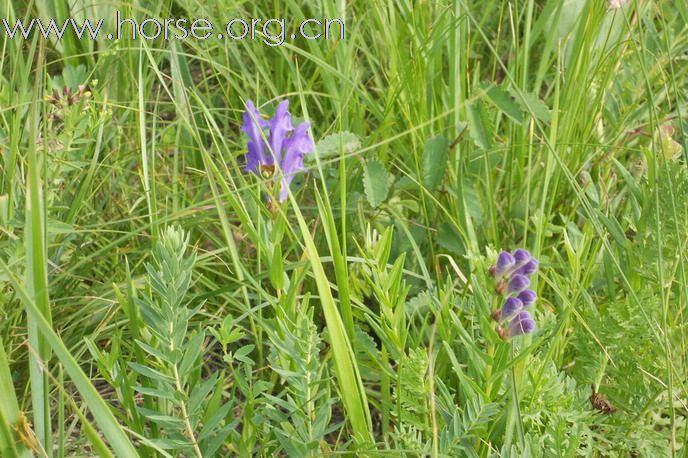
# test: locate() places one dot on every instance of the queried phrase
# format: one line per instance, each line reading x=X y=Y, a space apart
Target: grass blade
x=9 y=414
x=37 y=278
x=348 y=376
x=109 y=426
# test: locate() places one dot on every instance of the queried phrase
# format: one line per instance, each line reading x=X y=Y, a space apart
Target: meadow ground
x=465 y=235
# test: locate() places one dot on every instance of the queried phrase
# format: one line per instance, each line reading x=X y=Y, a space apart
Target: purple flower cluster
x=512 y=272
x=285 y=147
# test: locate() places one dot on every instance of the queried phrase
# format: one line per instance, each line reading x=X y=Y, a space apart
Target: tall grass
x=356 y=316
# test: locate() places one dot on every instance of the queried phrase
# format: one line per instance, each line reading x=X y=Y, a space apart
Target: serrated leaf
x=435 y=161
x=479 y=125
x=418 y=303
x=505 y=103
x=364 y=342
x=531 y=103
x=473 y=201
x=331 y=145
x=375 y=182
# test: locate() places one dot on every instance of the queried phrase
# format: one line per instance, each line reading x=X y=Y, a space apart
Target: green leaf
x=435 y=161
x=36 y=282
x=150 y=372
x=505 y=103
x=242 y=353
x=192 y=351
x=614 y=228
x=200 y=392
x=479 y=125
x=156 y=393
x=58 y=227
x=449 y=239
x=158 y=353
x=4 y=210
x=167 y=421
x=276 y=268
x=331 y=145
x=534 y=105
x=210 y=426
x=375 y=182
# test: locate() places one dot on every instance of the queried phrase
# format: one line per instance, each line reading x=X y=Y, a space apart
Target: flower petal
x=295 y=148
x=253 y=127
x=528 y=268
x=280 y=127
x=511 y=307
x=504 y=263
x=523 y=323
x=517 y=284
x=527 y=297
x=521 y=256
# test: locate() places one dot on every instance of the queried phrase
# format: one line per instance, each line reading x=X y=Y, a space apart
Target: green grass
x=154 y=303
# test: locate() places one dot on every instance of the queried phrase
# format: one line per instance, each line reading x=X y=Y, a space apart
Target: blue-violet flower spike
x=523 y=323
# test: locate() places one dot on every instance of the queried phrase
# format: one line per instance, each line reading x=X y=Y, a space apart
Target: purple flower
x=511 y=307
x=505 y=262
x=528 y=268
x=517 y=284
x=512 y=272
x=521 y=256
x=527 y=297
x=286 y=146
x=523 y=323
